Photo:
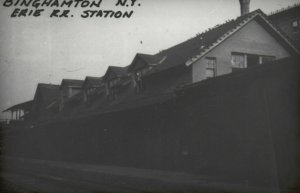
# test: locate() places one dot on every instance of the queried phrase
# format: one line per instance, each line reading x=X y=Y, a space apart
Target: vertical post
x=260 y=59
x=245 y=61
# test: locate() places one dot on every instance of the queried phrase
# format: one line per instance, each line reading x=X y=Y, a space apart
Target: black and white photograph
x=150 y=96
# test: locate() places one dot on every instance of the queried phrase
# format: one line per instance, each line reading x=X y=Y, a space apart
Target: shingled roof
x=150 y=59
x=117 y=71
x=193 y=49
x=24 y=106
x=48 y=92
x=72 y=82
x=92 y=81
x=147 y=59
x=291 y=10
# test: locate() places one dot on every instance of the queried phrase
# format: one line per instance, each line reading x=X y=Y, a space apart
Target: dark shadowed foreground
x=233 y=133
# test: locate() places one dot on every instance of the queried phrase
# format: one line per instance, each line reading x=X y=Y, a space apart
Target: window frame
x=296 y=29
x=244 y=55
x=212 y=68
x=266 y=56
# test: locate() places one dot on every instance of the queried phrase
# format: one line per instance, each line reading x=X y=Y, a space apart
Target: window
x=210 y=70
x=238 y=61
x=296 y=25
x=70 y=92
x=266 y=59
x=243 y=60
x=144 y=71
x=112 y=88
x=114 y=82
x=252 y=60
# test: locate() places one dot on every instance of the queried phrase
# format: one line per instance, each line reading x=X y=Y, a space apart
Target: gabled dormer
x=246 y=42
x=141 y=66
x=68 y=88
x=44 y=94
x=114 y=79
x=90 y=87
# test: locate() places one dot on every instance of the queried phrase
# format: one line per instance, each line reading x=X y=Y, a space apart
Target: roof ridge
x=283 y=9
x=93 y=77
x=144 y=54
x=72 y=79
x=47 y=84
x=217 y=26
x=280 y=32
x=117 y=66
x=244 y=19
x=247 y=18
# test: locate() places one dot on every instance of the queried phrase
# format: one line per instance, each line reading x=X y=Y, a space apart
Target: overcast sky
x=44 y=50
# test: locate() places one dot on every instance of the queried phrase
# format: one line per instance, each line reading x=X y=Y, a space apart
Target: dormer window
x=144 y=71
x=113 y=83
x=70 y=93
x=87 y=93
x=90 y=90
x=296 y=26
x=111 y=88
x=138 y=81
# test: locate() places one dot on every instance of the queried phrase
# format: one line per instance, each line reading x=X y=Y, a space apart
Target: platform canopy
x=26 y=106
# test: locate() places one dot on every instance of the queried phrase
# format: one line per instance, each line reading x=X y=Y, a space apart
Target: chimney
x=245 y=6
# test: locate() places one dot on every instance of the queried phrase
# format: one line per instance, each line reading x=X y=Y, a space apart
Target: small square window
x=295 y=23
x=296 y=26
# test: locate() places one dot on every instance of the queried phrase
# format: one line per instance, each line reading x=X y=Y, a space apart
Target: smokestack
x=245 y=6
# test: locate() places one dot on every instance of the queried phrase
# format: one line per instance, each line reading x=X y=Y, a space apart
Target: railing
x=8 y=123
x=5 y=121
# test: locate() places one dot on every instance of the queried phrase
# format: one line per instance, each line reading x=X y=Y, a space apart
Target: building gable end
x=238 y=28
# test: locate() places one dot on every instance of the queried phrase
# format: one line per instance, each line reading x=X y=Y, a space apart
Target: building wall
x=251 y=39
x=73 y=91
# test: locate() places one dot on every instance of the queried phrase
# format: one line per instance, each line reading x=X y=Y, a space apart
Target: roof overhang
x=22 y=106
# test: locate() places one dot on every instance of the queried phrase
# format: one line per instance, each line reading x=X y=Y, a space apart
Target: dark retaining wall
x=241 y=128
